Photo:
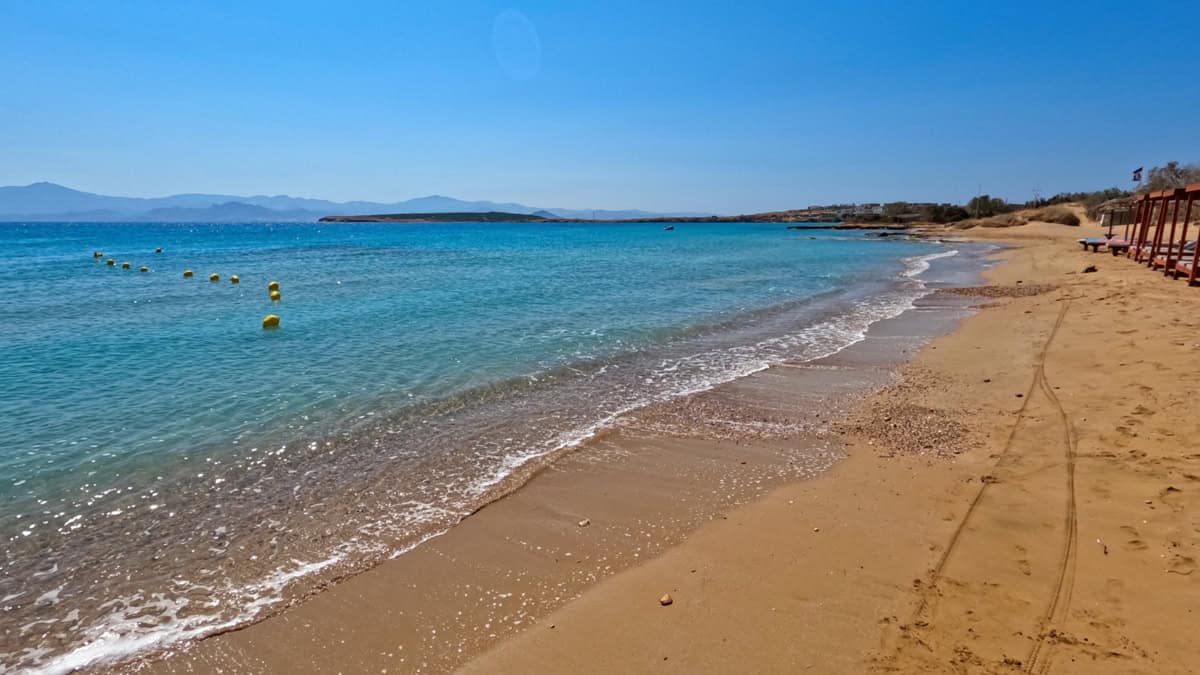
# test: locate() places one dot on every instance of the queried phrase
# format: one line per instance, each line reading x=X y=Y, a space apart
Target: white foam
x=121 y=635
x=824 y=340
x=918 y=265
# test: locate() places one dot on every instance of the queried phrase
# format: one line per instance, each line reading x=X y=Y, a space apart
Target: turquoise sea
x=169 y=467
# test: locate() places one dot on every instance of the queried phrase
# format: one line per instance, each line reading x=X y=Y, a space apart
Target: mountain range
x=53 y=202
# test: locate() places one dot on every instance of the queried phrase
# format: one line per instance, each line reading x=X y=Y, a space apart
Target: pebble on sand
x=585 y=522
x=665 y=599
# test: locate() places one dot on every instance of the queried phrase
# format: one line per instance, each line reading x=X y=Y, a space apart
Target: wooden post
x=1168 y=255
x=1138 y=206
x=1143 y=226
x=1172 y=268
x=1193 y=191
x=1158 y=229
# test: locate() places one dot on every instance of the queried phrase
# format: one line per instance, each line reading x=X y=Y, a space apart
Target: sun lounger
x=1095 y=243
x=1117 y=248
x=1167 y=255
x=1183 y=267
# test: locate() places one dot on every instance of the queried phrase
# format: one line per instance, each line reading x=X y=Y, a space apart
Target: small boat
x=669 y=228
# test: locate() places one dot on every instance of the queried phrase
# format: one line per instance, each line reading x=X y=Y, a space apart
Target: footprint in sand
x=1171 y=496
x=1181 y=564
x=1135 y=542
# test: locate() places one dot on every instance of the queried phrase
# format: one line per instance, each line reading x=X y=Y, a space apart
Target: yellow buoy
x=111 y=262
x=214 y=277
x=158 y=250
x=143 y=268
x=124 y=265
x=271 y=321
x=97 y=254
x=275 y=296
x=187 y=273
x=234 y=279
x=273 y=286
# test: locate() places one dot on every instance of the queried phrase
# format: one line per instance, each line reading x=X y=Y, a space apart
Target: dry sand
x=1024 y=498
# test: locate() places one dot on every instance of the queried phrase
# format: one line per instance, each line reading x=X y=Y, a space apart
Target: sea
x=170 y=468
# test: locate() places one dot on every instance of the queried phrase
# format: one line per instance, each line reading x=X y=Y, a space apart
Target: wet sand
x=1022 y=498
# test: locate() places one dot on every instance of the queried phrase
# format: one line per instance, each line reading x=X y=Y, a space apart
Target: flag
x=1137 y=174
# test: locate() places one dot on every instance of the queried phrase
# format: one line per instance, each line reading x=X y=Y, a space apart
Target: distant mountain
x=52 y=202
x=229 y=212
x=44 y=198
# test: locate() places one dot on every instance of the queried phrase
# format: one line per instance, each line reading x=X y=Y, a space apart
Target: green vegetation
x=986 y=206
x=1172 y=175
x=1090 y=200
x=943 y=213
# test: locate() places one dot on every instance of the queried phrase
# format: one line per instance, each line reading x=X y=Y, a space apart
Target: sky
x=717 y=107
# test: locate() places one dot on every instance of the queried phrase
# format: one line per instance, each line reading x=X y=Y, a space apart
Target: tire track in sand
x=1058 y=603
x=955 y=538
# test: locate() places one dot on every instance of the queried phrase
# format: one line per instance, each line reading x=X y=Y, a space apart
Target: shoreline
x=139 y=616
x=1049 y=524
x=1061 y=537
x=659 y=440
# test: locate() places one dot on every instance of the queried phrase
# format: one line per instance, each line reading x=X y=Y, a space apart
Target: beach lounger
x=1183 y=267
x=1167 y=256
x=1148 y=252
x=1093 y=243
x=1117 y=248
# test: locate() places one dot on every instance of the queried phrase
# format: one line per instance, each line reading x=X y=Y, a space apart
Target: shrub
x=985 y=206
x=1056 y=214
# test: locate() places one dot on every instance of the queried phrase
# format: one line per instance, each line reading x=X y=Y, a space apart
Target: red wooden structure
x=1150 y=238
x=1141 y=225
x=1164 y=240
x=1166 y=251
x=1188 y=264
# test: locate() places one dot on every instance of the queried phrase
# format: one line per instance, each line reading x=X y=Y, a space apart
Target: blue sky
x=694 y=106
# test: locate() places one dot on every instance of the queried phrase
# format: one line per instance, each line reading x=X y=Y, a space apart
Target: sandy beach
x=1017 y=495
